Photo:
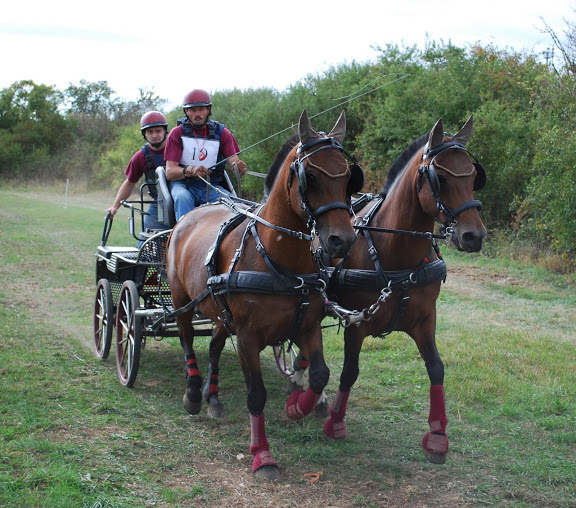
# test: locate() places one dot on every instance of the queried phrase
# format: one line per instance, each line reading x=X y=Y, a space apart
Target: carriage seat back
x=166 y=213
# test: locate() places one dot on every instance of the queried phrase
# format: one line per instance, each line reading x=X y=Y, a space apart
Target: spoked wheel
x=128 y=334
x=103 y=319
x=285 y=358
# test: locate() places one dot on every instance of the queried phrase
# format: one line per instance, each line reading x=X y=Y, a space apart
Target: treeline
x=524 y=110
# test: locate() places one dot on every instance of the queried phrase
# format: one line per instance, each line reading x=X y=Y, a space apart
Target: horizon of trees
x=524 y=134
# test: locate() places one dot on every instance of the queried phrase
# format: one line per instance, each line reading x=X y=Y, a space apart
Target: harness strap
x=398 y=316
x=277 y=269
x=423 y=275
x=262 y=283
x=150 y=172
x=188 y=307
x=475 y=203
x=372 y=250
x=254 y=216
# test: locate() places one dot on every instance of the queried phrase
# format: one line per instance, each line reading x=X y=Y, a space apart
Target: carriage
x=133 y=301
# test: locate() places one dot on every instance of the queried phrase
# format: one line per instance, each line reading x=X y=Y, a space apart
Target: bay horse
x=253 y=273
x=392 y=277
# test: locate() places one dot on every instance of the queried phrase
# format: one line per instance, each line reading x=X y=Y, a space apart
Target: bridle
x=427 y=171
x=297 y=171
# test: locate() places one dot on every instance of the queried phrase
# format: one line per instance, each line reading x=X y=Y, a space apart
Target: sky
x=171 y=48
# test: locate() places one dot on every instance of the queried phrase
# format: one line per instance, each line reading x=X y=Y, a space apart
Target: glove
x=240 y=167
x=195 y=171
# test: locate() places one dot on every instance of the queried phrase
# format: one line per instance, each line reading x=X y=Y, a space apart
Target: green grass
x=71 y=436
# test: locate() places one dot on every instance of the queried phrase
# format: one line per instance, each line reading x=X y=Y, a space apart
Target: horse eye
x=441 y=179
x=310 y=179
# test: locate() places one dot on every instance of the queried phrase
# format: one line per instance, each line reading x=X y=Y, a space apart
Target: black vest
x=214 y=133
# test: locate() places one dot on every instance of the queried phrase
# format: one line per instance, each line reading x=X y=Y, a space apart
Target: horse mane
x=276 y=165
x=401 y=162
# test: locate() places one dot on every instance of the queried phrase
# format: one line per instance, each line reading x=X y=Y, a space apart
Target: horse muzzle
x=337 y=244
x=468 y=240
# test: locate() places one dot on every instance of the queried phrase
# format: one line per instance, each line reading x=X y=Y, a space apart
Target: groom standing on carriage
x=196 y=150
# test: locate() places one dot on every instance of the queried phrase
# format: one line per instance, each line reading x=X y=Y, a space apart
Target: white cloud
x=175 y=46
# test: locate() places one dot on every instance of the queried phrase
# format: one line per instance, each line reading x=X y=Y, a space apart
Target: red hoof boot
x=301 y=403
x=265 y=465
x=335 y=430
x=435 y=447
x=292 y=406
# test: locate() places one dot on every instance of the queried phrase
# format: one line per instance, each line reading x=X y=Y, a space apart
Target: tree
x=33 y=129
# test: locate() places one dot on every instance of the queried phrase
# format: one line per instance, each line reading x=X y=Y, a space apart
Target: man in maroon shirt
x=199 y=147
x=144 y=162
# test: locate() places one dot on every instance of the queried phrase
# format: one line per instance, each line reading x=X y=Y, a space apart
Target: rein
x=415 y=234
x=363 y=226
x=229 y=202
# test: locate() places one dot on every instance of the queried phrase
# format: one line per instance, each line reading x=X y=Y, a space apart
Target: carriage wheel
x=128 y=334
x=103 y=319
x=285 y=358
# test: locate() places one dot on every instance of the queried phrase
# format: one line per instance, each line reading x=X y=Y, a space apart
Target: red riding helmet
x=196 y=98
x=152 y=119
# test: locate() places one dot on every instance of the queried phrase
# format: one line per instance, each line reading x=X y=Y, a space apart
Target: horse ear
x=339 y=130
x=305 y=130
x=464 y=134
x=436 y=137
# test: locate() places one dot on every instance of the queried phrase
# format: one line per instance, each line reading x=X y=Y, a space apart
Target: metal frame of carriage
x=133 y=300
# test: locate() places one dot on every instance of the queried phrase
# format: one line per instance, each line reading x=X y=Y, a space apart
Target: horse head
x=318 y=183
x=447 y=178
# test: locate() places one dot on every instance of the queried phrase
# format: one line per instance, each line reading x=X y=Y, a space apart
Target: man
x=154 y=129
x=197 y=148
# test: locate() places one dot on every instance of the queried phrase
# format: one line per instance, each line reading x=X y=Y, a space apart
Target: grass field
x=71 y=436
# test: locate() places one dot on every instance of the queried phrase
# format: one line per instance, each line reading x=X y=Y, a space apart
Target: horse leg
x=297 y=382
x=192 y=399
x=335 y=425
x=301 y=403
x=210 y=394
x=435 y=442
x=264 y=464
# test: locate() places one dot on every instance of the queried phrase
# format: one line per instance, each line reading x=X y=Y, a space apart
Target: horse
x=393 y=275
x=251 y=270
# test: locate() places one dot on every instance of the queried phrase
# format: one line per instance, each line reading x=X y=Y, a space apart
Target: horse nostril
x=338 y=246
x=472 y=241
x=335 y=242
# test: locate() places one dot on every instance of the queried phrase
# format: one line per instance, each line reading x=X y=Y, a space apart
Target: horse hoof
x=193 y=408
x=321 y=410
x=216 y=409
x=267 y=473
x=435 y=458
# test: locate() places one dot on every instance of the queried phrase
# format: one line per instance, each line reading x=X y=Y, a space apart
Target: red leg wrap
x=259 y=444
x=213 y=383
x=335 y=426
x=191 y=365
x=301 y=403
x=436 y=440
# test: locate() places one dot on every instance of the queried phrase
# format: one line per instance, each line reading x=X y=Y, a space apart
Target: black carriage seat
x=166 y=213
